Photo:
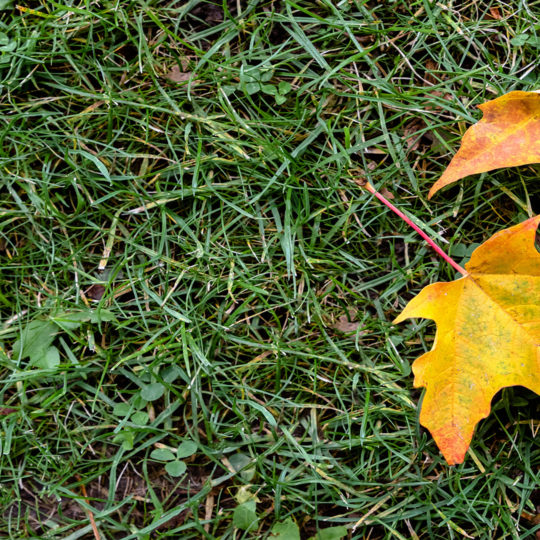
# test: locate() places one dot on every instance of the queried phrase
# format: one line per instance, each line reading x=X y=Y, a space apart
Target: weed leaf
x=244 y=516
x=286 y=530
x=331 y=533
x=186 y=449
x=35 y=340
x=176 y=468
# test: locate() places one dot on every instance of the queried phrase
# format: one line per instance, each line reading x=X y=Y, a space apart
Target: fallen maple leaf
x=507 y=136
x=488 y=336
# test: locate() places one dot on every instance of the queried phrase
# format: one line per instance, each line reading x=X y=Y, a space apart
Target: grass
x=185 y=172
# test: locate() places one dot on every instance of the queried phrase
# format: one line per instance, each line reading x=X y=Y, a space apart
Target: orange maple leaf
x=507 y=136
x=488 y=336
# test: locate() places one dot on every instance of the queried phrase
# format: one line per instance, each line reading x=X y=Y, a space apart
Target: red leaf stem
x=439 y=251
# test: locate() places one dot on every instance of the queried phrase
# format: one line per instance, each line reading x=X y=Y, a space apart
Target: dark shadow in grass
x=513 y=411
x=38 y=507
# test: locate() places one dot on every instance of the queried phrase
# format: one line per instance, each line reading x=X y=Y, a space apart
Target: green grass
x=217 y=220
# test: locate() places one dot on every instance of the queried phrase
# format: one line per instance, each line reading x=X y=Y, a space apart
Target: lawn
x=196 y=295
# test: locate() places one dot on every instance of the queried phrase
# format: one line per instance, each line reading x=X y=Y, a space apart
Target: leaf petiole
x=407 y=220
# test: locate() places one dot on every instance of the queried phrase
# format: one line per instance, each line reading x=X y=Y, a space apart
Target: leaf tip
x=452 y=446
x=449 y=176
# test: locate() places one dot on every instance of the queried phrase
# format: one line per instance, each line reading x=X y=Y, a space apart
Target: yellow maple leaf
x=488 y=336
x=507 y=136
